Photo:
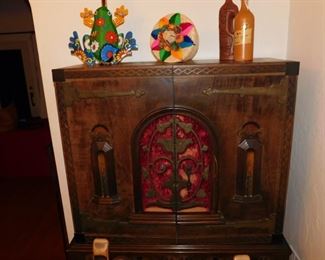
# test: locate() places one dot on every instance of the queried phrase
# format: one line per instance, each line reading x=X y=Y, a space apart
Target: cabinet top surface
x=191 y=68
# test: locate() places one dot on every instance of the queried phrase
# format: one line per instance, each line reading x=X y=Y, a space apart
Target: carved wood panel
x=230 y=103
x=101 y=116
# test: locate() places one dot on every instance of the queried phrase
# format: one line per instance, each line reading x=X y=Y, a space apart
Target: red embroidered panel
x=195 y=162
x=177 y=160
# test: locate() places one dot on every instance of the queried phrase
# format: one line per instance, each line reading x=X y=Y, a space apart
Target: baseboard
x=294 y=255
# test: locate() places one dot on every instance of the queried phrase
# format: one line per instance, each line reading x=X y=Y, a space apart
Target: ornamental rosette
x=174 y=39
x=111 y=37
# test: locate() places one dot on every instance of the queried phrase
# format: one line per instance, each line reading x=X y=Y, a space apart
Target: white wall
x=55 y=20
x=305 y=211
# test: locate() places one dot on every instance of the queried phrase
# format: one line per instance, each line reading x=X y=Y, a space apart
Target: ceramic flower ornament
x=104 y=44
x=174 y=39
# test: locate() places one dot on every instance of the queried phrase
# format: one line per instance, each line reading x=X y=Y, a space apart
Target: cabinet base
x=278 y=249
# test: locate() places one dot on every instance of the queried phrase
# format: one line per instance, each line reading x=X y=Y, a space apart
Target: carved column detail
x=102 y=157
x=249 y=164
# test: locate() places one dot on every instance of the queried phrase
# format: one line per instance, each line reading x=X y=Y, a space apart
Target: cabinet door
x=248 y=113
x=175 y=164
x=98 y=117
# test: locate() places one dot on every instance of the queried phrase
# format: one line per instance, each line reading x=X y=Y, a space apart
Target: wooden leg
x=100 y=249
x=241 y=257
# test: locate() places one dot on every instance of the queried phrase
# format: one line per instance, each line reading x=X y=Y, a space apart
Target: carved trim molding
x=119 y=72
x=68 y=157
x=153 y=69
x=286 y=150
x=223 y=69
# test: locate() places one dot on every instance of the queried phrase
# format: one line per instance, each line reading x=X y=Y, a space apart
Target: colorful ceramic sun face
x=174 y=39
x=104 y=44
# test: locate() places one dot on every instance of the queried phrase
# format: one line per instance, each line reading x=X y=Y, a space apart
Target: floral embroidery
x=111 y=37
x=108 y=52
x=87 y=43
x=100 y=22
x=94 y=34
x=87 y=16
x=94 y=46
x=91 y=45
x=131 y=42
x=121 y=11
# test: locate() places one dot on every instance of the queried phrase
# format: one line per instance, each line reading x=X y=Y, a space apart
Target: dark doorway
x=31 y=219
x=13 y=89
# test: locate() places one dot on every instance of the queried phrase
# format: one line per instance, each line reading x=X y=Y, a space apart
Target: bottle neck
x=244 y=4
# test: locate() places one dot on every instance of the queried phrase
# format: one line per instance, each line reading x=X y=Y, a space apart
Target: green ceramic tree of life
x=104 y=44
x=104 y=31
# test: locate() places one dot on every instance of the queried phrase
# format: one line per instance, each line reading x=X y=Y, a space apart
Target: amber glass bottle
x=227 y=15
x=244 y=34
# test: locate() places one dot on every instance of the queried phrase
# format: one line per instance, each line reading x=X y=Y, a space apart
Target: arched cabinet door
x=176 y=166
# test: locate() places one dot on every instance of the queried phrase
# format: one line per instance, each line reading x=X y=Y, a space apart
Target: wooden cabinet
x=184 y=161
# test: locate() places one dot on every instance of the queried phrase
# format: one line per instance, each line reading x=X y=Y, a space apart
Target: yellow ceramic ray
x=163 y=21
x=177 y=54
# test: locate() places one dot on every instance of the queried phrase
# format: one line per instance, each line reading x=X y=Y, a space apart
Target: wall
x=23 y=19
x=55 y=20
x=305 y=212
